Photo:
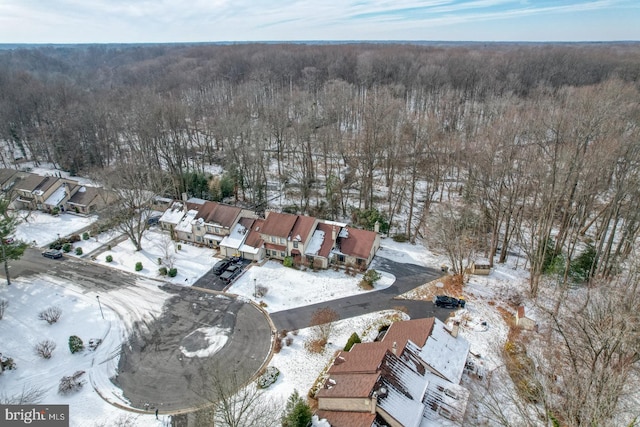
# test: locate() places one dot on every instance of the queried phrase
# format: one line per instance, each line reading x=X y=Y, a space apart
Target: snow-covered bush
x=75 y=344
x=6 y=363
x=51 y=314
x=71 y=383
x=45 y=349
x=269 y=377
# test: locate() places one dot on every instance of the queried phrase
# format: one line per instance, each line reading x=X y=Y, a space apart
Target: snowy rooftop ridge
x=444 y=353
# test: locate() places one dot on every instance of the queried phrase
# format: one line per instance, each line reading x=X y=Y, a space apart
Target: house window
x=282 y=241
x=198 y=239
x=309 y=259
x=216 y=230
x=282 y=254
x=359 y=261
x=340 y=258
x=273 y=239
x=295 y=243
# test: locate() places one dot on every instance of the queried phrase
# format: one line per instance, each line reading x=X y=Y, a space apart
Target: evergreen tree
x=10 y=249
x=297 y=413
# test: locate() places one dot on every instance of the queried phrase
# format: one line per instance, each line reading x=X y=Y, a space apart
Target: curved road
x=408 y=276
x=153 y=371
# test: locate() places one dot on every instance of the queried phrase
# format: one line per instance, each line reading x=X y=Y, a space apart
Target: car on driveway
x=52 y=253
x=231 y=273
x=221 y=266
x=448 y=302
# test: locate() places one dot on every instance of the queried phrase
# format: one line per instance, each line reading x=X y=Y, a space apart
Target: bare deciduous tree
x=235 y=404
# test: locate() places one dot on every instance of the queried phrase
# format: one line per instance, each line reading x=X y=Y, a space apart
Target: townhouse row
x=50 y=193
x=240 y=232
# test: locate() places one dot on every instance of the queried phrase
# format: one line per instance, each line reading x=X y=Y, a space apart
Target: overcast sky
x=131 y=21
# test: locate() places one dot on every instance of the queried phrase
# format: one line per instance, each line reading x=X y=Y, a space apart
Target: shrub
x=138 y=266
x=288 y=261
x=71 y=383
x=78 y=251
x=353 y=339
x=173 y=272
x=6 y=363
x=51 y=314
x=315 y=345
x=269 y=377
x=179 y=247
x=55 y=211
x=74 y=238
x=369 y=278
x=66 y=247
x=288 y=341
x=277 y=345
x=108 y=247
x=109 y=258
x=3 y=306
x=163 y=271
x=261 y=291
x=159 y=261
x=85 y=236
x=75 y=344
x=400 y=238
x=44 y=349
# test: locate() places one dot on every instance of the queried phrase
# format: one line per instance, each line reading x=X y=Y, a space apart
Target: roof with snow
x=444 y=400
x=238 y=234
x=174 y=214
x=327 y=239
x=185 y=224
x=406 y=391
x=444 y=353
x=278 y=224
x=315 y=243
x=253 y=242
x=57 y=196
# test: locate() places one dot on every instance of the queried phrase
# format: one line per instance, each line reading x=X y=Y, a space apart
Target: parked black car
x=52 y=253
x=448 y=302
x=231 y=273
x=221 y=266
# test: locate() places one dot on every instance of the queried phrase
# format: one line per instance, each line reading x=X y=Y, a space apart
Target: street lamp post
x=255 y=288
x=100 y=305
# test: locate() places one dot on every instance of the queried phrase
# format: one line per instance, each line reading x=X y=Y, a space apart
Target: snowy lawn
x=288 y=288
x=40 y=229
x=21 y=330
x=192 y=262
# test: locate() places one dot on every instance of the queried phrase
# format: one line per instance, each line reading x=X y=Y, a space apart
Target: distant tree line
x=540 y=141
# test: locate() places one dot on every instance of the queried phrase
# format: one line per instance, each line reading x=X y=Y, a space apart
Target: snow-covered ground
x=286 y=288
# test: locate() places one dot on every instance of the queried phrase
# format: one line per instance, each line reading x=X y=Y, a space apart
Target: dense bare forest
x=542 y=138
x=479 y=150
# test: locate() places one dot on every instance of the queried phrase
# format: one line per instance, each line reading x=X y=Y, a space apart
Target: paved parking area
x=214 y=282
x=155 y=370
